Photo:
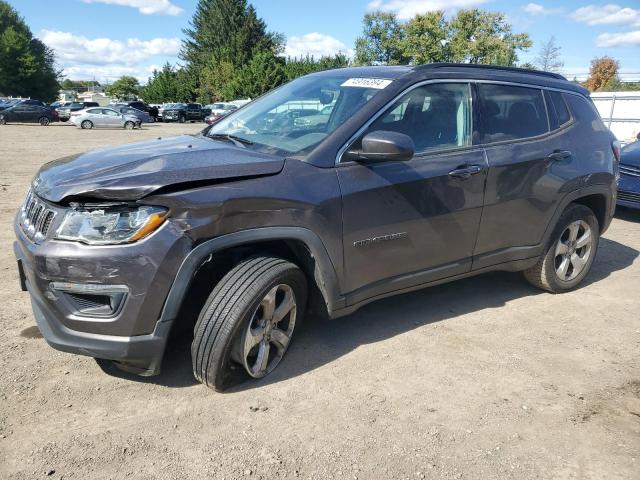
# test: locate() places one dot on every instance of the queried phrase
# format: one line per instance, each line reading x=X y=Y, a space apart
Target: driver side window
x=436 y=116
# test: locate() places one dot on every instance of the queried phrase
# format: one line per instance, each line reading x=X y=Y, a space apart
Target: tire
x=570 y=253
x=182 y=119
x=129 y=125
x=236 y=313
x=86 y=124
x=44 y=121
x=2 y=121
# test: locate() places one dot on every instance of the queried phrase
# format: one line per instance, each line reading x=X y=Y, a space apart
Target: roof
x=462 y=71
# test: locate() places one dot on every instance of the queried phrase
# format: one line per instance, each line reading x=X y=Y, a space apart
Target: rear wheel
x=86 y=124
x=570 y=254
x=246 y=325
x=3 y=121
x=44 y=121
x=129 y=125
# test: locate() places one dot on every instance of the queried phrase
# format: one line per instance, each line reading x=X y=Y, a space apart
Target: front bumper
x=629 y=191
x=133 y=336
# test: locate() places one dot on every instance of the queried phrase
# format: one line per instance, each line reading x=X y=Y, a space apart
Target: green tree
x=426 y=38
x=264 y=72
x=479 y=36
x=68 y=84
x=381 y=40
x=162 y=87
x=296 y=67
x=223 y=33
x=548 y=58
x=27 y=66
x=124 y=87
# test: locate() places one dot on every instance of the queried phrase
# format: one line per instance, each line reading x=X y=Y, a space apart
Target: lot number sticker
x=377 y=83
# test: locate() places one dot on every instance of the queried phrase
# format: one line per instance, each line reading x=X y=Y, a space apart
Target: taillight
x=616 y=147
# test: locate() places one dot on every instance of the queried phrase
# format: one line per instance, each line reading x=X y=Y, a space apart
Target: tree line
x=229 y=53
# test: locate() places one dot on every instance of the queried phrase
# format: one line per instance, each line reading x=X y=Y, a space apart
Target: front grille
x=630 y=170
x=632 y=197
x=36 y=217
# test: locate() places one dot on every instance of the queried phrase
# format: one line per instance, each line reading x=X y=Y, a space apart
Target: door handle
x=466 y=171
x=559 y=155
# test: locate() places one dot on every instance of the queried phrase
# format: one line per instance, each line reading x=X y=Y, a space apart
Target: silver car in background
x=104 y=117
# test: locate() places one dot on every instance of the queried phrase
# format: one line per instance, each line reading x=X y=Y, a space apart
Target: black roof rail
x=528 y=71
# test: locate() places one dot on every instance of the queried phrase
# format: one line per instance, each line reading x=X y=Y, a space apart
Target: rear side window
x=511 y=113
x=584 y=111
x=557 y=107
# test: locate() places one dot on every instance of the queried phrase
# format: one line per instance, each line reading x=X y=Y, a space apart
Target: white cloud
x=622 y=39
x=106 y=58
x=146 y=7
x=607 y=15
x=537 y=9
x=316 y=45
x=406 y=9
x=71 y=49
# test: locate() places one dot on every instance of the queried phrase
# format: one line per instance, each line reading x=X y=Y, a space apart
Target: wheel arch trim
x=325 y=274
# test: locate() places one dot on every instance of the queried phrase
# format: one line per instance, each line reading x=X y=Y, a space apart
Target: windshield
x=297 y=116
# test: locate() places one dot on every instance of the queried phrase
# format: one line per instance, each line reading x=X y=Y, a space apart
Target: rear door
x=528 y=167
x=407 y=223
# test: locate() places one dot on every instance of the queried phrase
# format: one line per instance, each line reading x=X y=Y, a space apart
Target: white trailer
x=620 y=111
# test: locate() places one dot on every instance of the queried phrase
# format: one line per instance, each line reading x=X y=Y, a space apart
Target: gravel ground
x=486 y=378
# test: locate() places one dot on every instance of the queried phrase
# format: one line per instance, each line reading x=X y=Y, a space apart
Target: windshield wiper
x=237 y=141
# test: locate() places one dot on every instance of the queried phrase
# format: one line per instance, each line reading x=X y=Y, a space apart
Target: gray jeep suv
x=419 y=175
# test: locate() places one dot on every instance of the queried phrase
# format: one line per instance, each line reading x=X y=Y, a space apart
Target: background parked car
x=183 y=112
x=10 y=102
x=64 y=113
x=28 y=113
x=141 y=115
x=104 y=117
x=162 y=109
x=218 y=111
x=629 y=182
x=222 y=108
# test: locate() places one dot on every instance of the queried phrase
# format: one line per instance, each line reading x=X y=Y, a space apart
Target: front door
x=408 y=223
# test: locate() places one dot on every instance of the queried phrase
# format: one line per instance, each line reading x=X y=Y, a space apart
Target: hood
x=631 y=154
x=131 y=172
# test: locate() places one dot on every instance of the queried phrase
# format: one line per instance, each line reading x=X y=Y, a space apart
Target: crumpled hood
x=130 y=172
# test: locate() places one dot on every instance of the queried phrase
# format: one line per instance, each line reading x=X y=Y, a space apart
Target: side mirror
x=383 y=145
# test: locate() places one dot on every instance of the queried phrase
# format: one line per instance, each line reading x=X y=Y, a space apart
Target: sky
x=104 y=39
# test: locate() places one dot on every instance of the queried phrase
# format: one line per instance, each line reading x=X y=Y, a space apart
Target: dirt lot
x=486 y=378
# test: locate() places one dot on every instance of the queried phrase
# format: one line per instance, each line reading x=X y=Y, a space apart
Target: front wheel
x=44 y=121
x=129 y=125
x=246 y=325
x=570 y=253
x=182 y=119
x=86 y=124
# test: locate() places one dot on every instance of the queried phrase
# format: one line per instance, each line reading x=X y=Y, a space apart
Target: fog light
x=91 y=300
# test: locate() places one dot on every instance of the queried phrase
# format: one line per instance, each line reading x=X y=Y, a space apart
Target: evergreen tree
x=224 y=34
x=264 y=72
x=296 y=67
x=27 y=66
x=162 y=87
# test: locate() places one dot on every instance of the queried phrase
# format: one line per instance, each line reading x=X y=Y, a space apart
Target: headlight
x=112 y=225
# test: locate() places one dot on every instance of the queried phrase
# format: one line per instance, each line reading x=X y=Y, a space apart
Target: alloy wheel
x=573 y=250
x=269 y=332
